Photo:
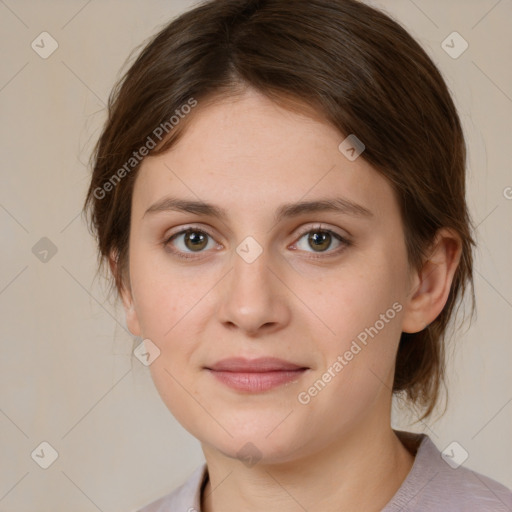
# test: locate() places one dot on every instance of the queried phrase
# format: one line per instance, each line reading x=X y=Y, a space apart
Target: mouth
x=255 y=375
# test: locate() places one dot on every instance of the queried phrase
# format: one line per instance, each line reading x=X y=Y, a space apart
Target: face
x=321 y=289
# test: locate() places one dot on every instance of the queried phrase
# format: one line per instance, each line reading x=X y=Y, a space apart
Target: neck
x=361 y=471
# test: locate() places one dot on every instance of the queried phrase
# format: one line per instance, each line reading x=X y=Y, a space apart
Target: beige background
x=66 y=372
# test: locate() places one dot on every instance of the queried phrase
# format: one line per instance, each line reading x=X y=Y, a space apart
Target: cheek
x=360 y=309
x=178 y=390
x=357 y=363
x=170 y=309
x=172 y=305
x=348 y=300
x=164 y=294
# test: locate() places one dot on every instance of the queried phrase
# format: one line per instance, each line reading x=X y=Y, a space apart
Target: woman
x=279 y=190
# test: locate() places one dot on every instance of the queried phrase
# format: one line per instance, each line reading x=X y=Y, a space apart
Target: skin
x=248 y=155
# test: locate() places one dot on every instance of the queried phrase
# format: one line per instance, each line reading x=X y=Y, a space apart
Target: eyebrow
x=338 y=205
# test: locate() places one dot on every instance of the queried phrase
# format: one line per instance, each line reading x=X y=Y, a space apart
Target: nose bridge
x=250 y=299
x=251 y=270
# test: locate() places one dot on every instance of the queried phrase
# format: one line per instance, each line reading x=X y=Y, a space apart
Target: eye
x=320 y=240
x=190 y=240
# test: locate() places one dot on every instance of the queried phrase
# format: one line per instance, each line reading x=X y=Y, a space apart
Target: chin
x=254 y=445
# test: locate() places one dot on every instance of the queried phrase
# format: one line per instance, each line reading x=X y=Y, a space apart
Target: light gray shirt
x=432 y=485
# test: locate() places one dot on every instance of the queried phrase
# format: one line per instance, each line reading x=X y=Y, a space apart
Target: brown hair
x=357 y=67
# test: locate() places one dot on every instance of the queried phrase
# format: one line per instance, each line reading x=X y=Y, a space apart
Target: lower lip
x=255 y=382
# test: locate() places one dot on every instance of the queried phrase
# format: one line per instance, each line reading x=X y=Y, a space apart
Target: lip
x=259 y=365
x=255 y=375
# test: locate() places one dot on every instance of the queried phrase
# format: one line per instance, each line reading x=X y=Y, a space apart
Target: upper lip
x=259 y=365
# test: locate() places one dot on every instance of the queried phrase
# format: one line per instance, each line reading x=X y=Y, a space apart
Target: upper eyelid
x=320 y=227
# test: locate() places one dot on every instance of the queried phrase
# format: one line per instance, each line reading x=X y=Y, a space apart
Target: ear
x=431 y=285
x=132 y=320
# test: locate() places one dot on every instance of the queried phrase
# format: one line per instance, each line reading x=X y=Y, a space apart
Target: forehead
x=247 y=151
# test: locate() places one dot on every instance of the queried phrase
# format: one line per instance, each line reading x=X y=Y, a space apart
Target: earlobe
x=132 y=320
x=431 y=285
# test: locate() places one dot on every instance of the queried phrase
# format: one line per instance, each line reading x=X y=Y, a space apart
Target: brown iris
x=319 y=240
x=195 y=240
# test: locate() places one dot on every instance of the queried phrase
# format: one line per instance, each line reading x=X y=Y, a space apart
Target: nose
x=253 y=298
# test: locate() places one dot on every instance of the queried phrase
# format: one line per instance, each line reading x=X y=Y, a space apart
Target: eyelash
x=192 y=229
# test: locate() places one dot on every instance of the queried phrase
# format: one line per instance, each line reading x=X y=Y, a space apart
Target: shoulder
x=437 y=482
x=465 y=489
x=186 y=498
